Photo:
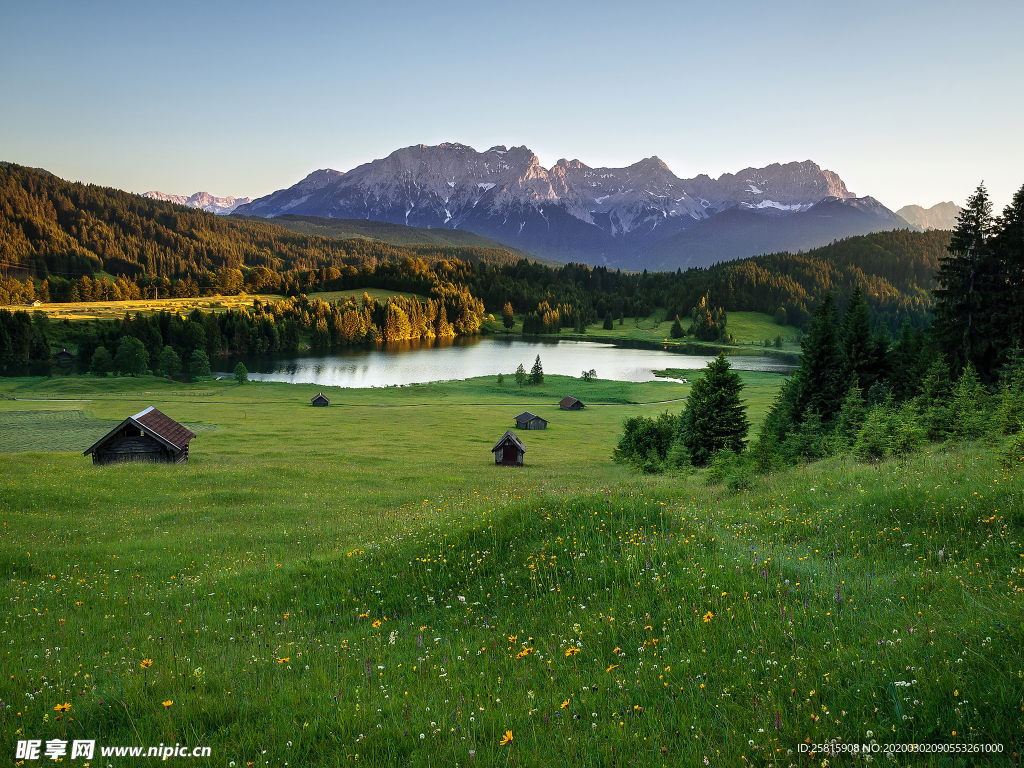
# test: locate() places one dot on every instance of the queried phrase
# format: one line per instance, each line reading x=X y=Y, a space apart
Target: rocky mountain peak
x=203 y=200
x=507 y=194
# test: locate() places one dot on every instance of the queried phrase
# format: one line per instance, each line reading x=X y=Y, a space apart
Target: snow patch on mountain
x=203 y=200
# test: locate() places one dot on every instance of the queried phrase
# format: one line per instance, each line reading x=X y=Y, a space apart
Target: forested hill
x=49 y=226
x=63 y=231
x=396 y=234
x=894 y=269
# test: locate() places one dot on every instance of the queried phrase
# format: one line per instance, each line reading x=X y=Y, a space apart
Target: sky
x=909 y=102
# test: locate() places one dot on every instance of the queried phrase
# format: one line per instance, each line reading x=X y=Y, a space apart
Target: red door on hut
x=509 y=455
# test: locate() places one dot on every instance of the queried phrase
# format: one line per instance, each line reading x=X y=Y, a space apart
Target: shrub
x=132 y=358
x=808 y=441
x=102 y=362
x=764 y=454
x=170 y=363
x=872 y=442
x=199 y=364
x=907 y=434
x=969 y=406
x=645 y=442
x=241 y=374
x=722 y=463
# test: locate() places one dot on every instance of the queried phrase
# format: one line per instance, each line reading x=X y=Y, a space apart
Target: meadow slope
x=361 y=585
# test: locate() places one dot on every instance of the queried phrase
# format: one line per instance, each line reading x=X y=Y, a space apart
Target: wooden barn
x=527 y=420
x=63 y=356
x=149 y=435
x=570 y=404
x=509 y=451
x=320 y=401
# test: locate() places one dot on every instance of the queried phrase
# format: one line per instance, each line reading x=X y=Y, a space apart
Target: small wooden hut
x=149 y=435
x=508 y=452
x=63 y=356
x=320 y=401
x=570 y=404
x=527 y=420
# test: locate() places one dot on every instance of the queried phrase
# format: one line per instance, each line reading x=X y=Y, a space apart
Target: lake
x=463 y=358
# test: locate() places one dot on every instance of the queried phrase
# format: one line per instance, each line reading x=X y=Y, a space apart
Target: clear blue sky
x=912 y=102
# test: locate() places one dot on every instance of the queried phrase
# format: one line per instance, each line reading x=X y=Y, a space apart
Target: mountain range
x=203 y=200
x=641 y=216
x=939 y=216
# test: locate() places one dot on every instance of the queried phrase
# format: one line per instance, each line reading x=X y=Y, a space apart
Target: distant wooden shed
x=63 y=356
x=570 y=404
x=320 y=401
x=149 y=435
x=508 y=452
x=527 y=420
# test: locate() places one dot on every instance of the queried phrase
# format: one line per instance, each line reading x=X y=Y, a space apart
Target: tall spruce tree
x=880 y=365
x=823 y=383
x=1007 y=302
x=905 y=364
x=714 y=417
x=960 y=296
x=857 y=350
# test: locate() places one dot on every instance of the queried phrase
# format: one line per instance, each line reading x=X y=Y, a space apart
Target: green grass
x=255 y=577
x=750 y=329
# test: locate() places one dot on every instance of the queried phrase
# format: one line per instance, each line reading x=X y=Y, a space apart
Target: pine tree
x=880 y=360
x=1007 y=306
x=608 y=325
x=520 y=375
x=857 y=341
x=905 y=365
x=537 y=372
x=714 y=418
x=960 y=294
x=677 y=330
x=822 y=380
x=508 y=318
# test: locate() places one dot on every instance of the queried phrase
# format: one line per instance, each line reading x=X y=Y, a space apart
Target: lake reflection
x=417 y=362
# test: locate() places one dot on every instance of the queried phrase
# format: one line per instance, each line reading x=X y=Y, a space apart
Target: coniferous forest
x=887 y=316
x=863 y=391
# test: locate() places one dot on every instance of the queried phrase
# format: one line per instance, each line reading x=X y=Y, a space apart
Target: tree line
x=863 y=392
x=63 y=241
x=279 y=326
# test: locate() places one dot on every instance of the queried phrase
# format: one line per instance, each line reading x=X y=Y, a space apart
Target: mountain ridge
x=568 y=212
x=939 y=216
x=202 y=200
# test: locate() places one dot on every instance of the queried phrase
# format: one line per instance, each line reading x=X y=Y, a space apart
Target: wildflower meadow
x=361 y=585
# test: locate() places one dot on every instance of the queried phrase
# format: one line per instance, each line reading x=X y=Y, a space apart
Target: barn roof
x=527 y=416
x=509 y=437
x=319 y=396
x=162 y=427
x=565 y=402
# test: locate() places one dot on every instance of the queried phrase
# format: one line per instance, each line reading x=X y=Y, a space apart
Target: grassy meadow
x=750 y=329
x=361 y=585
x=115 y=310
